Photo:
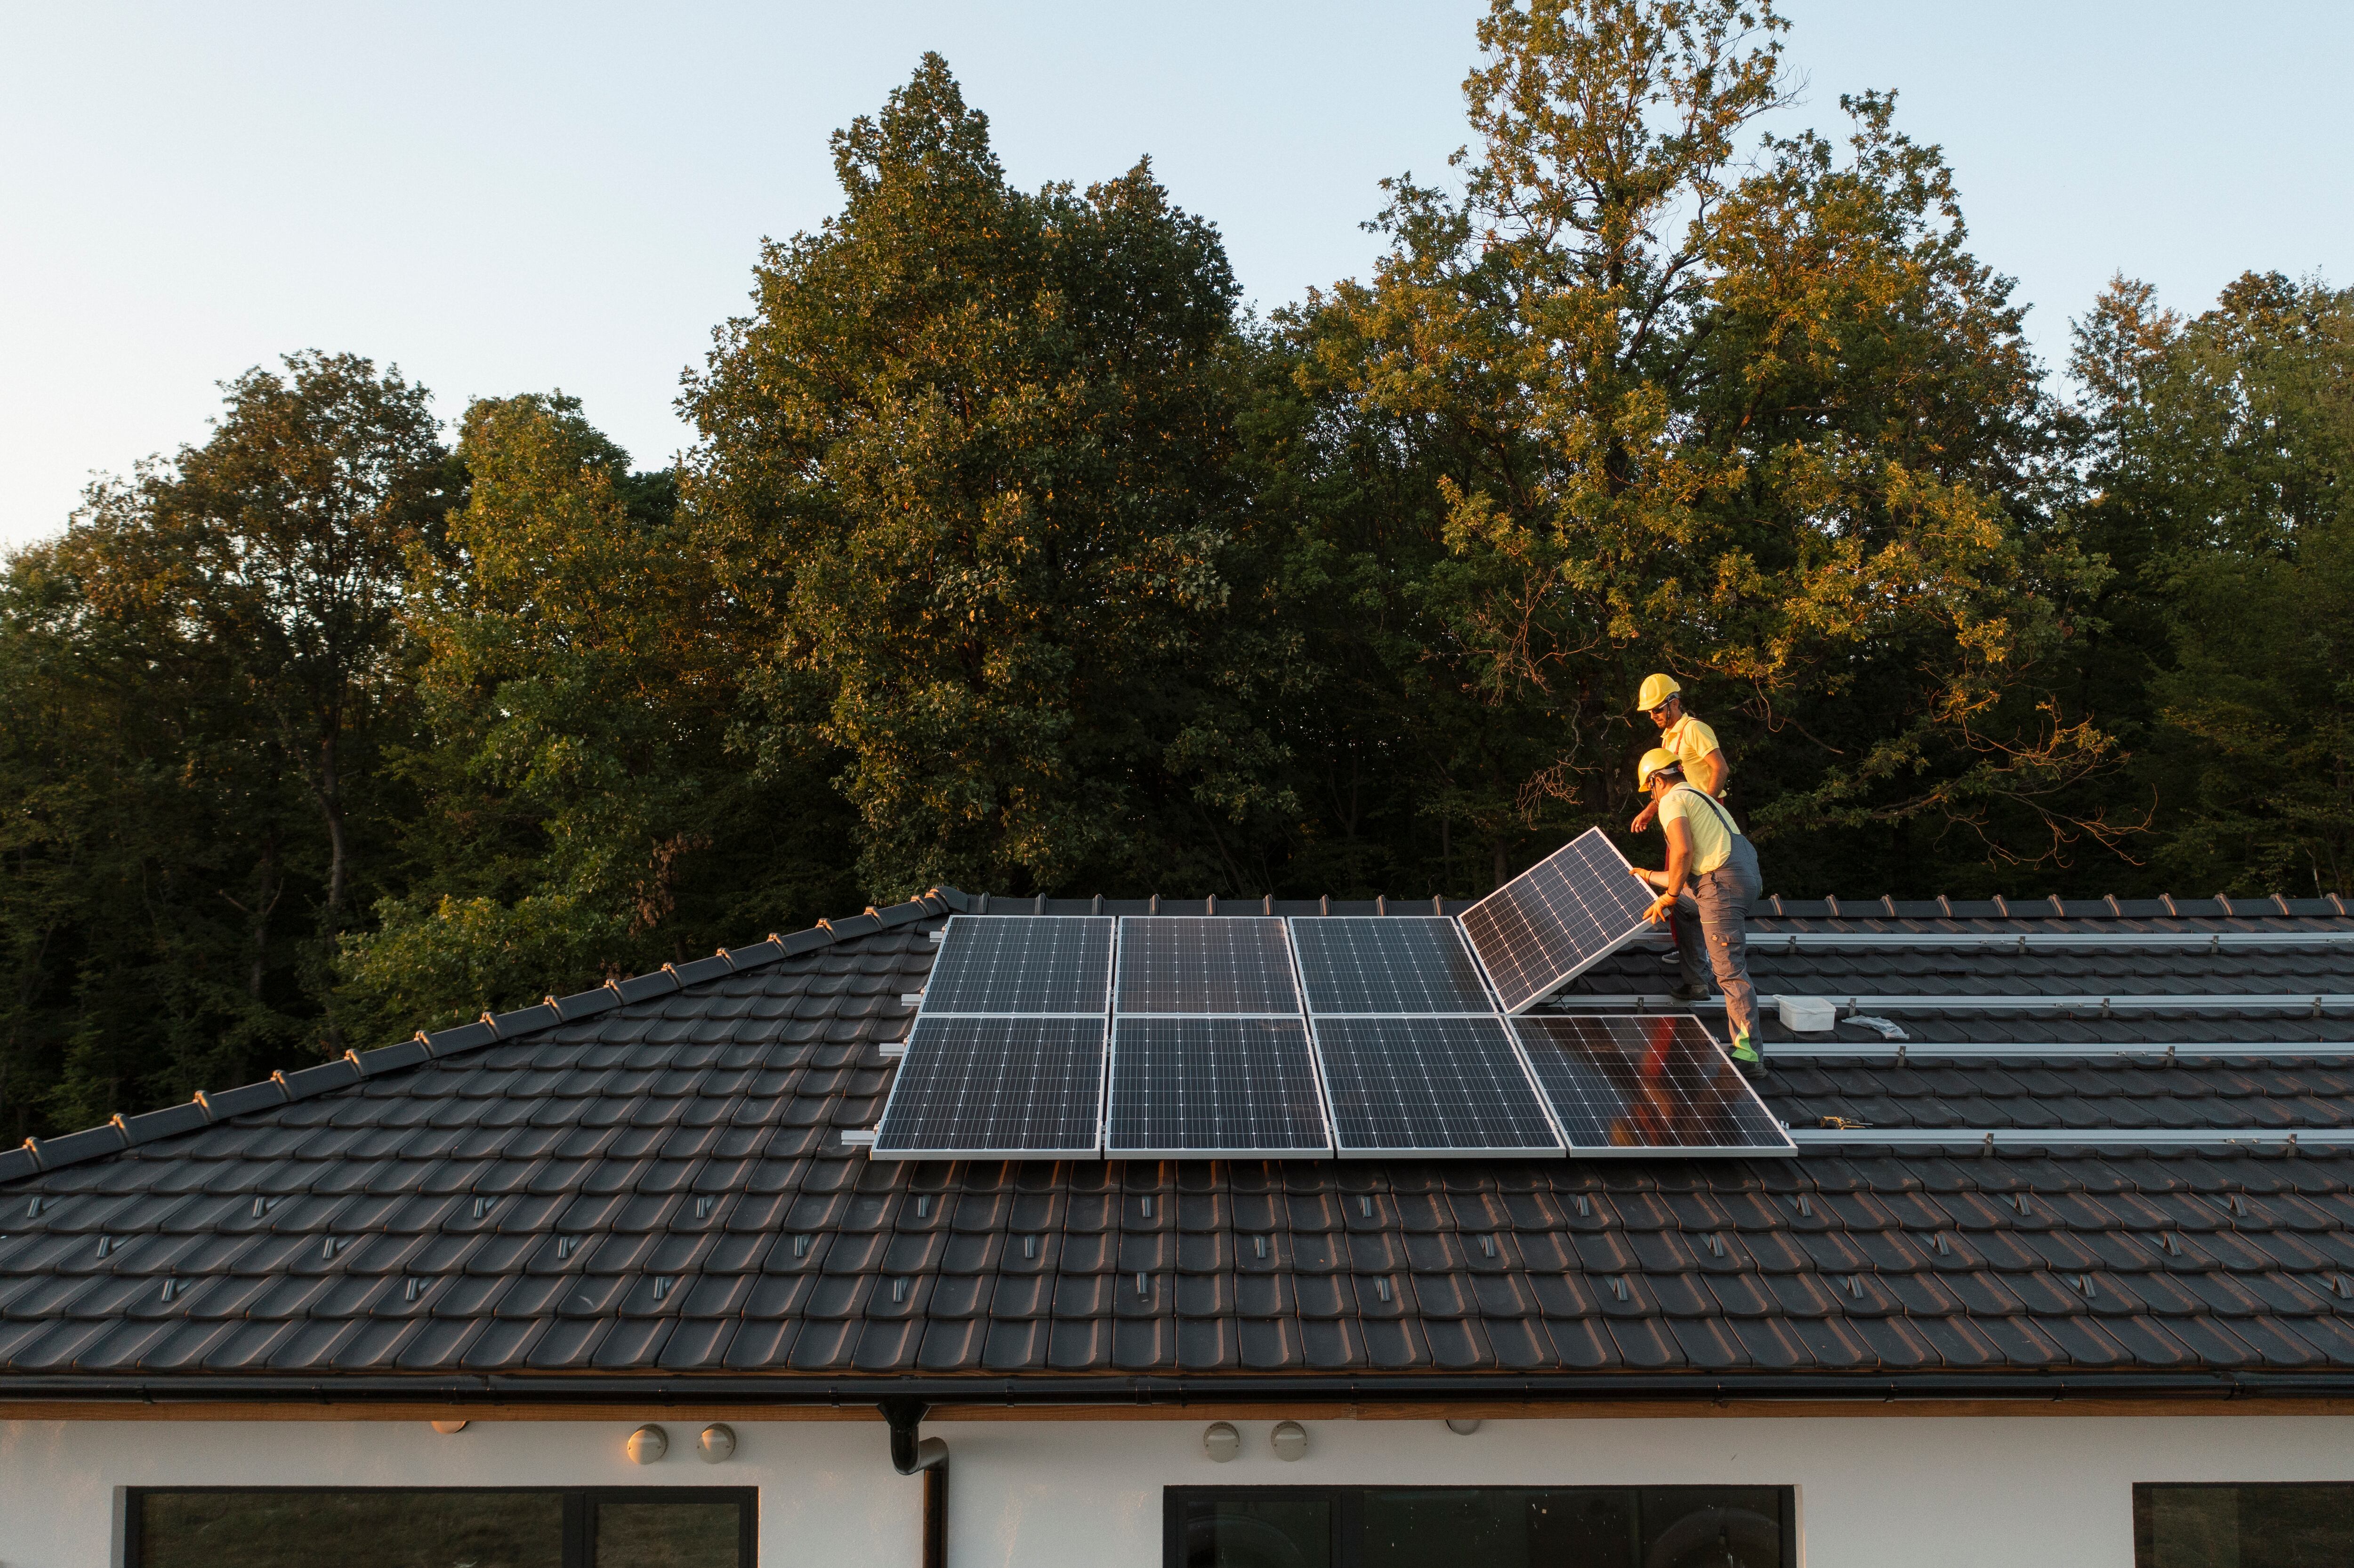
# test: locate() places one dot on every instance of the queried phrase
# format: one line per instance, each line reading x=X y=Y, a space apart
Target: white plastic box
x=1808 y=1014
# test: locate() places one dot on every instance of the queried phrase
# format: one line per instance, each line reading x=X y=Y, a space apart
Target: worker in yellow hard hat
x=1704 y=894
x=1694 y=743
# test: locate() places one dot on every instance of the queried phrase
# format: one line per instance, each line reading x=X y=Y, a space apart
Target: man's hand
x=1643 y=818
x=1660 y=907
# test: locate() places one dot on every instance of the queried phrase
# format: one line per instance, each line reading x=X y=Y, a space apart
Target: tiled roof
x=648 y=1184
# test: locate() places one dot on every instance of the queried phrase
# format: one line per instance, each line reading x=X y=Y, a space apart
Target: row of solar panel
x=1531 y=937
x=1268 y=1087
x=1045 y=966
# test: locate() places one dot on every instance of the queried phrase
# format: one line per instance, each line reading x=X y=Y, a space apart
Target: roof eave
x=557 y=1391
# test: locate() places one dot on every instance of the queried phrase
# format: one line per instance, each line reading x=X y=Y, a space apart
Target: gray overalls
x=1714 y=910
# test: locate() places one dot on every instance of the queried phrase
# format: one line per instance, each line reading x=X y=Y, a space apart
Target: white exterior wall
x=1923 y=1491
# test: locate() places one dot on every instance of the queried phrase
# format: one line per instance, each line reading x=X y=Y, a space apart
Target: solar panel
x=1197 y=963
x=1431 y=1085
x=1387 y=964
x=1559 y=917
x=1199 y=1088
x=1646 y=1085
x=996 y=1088
x=1022 y=964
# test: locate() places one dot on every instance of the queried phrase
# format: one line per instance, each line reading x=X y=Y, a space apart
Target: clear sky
x=510 y=197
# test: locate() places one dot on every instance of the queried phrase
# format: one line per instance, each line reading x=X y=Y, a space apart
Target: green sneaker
x=1745 y=1054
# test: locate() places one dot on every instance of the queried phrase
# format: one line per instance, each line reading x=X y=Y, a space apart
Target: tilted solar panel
x=1199 y=1088
x=1559 y=917
x=1429 y=1086
x=1196 y=963
x=1022 y=964
x=1387 y=964
x=996 y=1088
x=1645 y=1085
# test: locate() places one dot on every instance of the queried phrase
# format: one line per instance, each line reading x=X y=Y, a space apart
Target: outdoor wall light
x=647 y=1444
x=1221 y=1441
x=1291 y=1439
x=716 y=1445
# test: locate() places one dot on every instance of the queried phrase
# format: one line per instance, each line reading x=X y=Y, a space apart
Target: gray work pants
x=1713 y=917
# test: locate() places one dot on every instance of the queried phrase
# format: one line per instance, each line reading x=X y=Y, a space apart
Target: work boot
x=1746 y=1056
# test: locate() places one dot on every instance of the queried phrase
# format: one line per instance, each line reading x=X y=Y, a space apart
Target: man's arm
x=1670 y=882
x=1708 y=774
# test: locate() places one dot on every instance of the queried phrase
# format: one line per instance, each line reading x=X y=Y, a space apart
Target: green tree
x=201 y=677
x=2220 y=450
x=581 y=814
x=297 y=518
x=1691 y=396
x=972 y=463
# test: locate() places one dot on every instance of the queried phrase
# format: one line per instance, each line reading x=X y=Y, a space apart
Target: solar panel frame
x=1339 y=943
x=953 y=1062
x=1582 y=1063
x=1148 y=947
x=969 y=940
x=1136 y=1120
x=1540 y=1136
x=1523 y=935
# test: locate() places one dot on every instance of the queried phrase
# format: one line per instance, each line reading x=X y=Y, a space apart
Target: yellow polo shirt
x=1710 y=824
x=1691 y=740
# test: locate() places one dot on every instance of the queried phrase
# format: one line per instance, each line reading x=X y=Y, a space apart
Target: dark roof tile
x=679 y=1126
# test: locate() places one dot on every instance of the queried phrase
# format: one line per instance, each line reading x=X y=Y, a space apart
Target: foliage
x=202 y=674
x=2223 y=444
x=582 y=816
x=970 y=461
x=1762 y=421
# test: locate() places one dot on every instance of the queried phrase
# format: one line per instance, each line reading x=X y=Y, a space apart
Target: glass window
x=2268 y=1525
x=268 y=1527
x=667 y=1535
x=361 y=1529
x=1712 y=1527
x=1272 y=1530
x=1481 y=1527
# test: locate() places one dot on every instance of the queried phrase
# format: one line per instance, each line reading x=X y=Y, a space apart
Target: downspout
x=909 y=1454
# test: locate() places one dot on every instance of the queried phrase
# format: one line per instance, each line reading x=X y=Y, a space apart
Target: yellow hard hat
x=1658 y=757
x=1656 y=689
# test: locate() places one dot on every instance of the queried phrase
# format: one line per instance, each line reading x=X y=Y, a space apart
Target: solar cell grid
x=1636 y=1085
x=1201 y=1088
x=1022 y=964
x=1204 y=964
x=1430 y=1086
x=996 y=1087
x=1387 y=964
x=1567 y=913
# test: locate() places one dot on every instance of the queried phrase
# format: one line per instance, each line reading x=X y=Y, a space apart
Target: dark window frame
x=580 y=1544
x=1349 y=1513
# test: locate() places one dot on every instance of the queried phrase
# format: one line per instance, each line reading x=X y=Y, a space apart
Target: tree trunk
x=265 y=899
x=329 y=793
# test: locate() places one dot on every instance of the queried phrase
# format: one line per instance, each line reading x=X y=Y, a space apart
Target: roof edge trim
x=37 y=1155
x=1557 y=1388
